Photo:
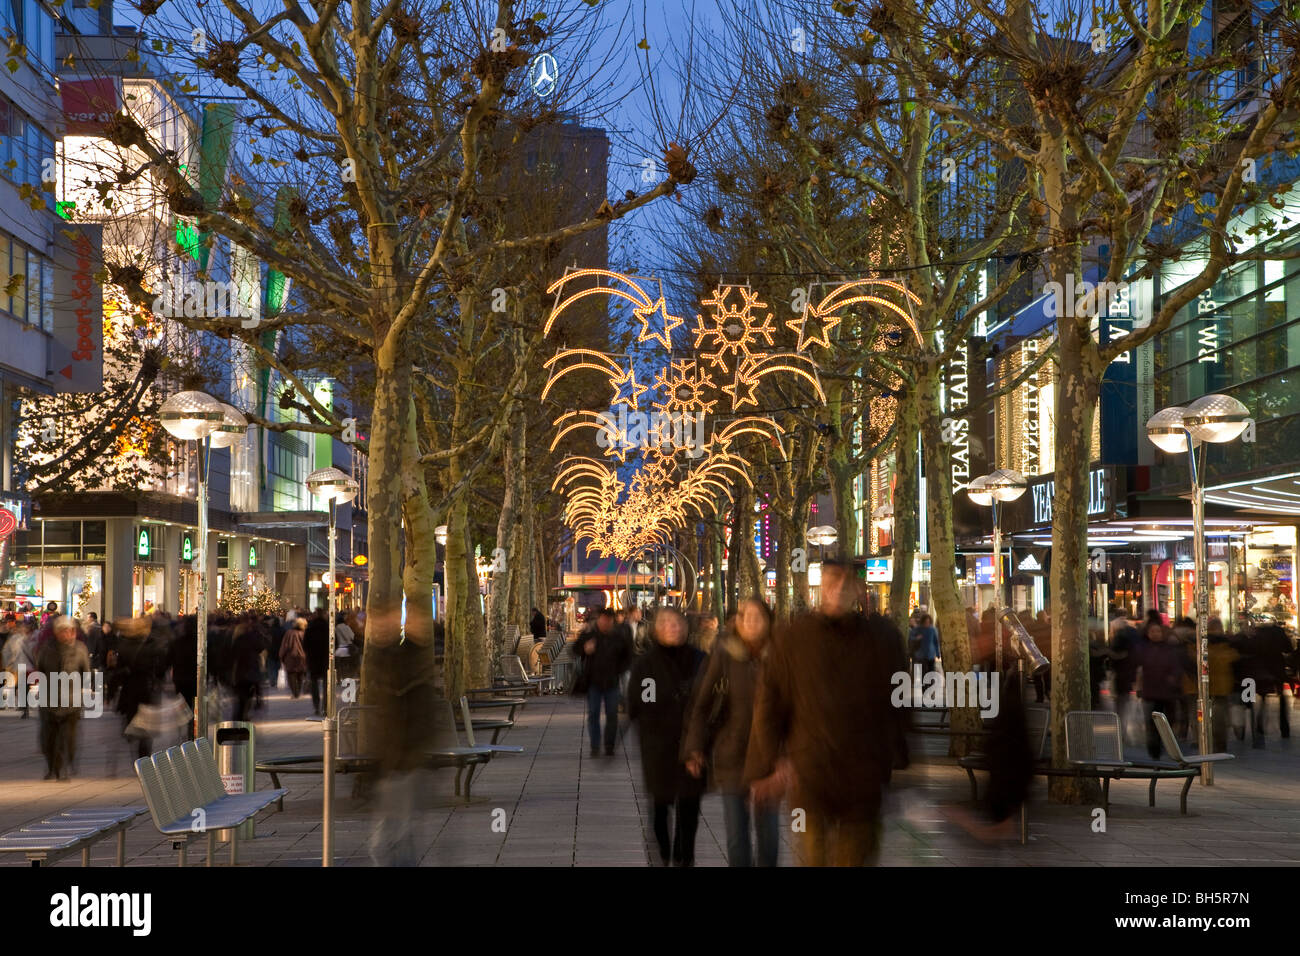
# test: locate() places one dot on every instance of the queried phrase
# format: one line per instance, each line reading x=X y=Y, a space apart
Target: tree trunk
x=906 y=489
x=1077 y=389
x=384 y=495
x=719 y=590
x=799 y=511
x=839 y=464
x=499 y=600
x=742 y=557
x=949 y=615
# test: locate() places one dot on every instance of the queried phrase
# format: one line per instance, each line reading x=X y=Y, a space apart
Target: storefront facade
x=129 y=565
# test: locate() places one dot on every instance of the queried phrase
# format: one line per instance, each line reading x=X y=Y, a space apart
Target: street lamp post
x=1214 y=419
x=193 y=416
x=821 y=536
x=335 y=487
x=987 y=491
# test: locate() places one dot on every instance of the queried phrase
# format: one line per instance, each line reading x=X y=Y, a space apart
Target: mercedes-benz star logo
x=542 y=74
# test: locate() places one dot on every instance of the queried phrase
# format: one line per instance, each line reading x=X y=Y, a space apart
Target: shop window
x=93 y=532
x=62 y=533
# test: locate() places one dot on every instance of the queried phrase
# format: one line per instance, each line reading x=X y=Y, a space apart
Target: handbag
x=579 y=687
x=157 y=720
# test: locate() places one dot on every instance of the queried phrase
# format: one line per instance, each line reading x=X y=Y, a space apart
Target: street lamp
x=986 y=491
x=193 y=416
x=821 y=536
x=1216 y=419
x=335 y=487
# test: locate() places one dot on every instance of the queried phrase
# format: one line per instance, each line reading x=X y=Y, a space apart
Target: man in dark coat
x=183 y=658
x=1163 y=663
x=59 y=659
x=1269 y=649
x=606 y=652
x=316 y=642
x=824 y=728
x=249 y=643
x=660 y=690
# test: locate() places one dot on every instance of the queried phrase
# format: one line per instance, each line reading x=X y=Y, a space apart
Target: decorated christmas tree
x=235 y=598
x=83 y=598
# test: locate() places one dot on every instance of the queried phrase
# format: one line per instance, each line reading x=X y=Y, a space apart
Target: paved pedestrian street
x=554 y=805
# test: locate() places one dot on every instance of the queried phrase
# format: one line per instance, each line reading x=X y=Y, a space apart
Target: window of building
x=33 y=300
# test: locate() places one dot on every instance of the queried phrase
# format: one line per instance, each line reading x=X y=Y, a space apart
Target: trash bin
x=236 y=764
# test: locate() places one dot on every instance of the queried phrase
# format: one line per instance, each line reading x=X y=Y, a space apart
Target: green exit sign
x=187 y=547
x=252 y=555
x=144 y=545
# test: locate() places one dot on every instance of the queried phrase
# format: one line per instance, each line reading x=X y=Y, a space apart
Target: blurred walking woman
x=718 y=732
x=659 y=696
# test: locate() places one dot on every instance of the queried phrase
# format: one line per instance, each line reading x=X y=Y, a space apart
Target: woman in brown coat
x=718 y=732
x=294 y=656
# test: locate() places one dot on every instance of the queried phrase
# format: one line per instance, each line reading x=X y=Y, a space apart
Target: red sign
x=89 y=105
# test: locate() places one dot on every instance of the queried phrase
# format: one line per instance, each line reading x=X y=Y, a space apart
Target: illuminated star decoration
x=680 y=477
x=664 y=336
x=685 y=386
x=732 y=328
x=626 y=390
x=813 y=327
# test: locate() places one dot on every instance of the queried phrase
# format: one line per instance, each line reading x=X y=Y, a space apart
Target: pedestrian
x=183 y=658
x=1163 y=665
x=925 y=649
x=1123 y=640
x=61 y=710
x=19 y=659
x=825 y=731
x=1222 y=657
x=276 y=628
x=95 y=641
x=345 y=663
x=294 y=656
x=706 y=632
x=1183 y=633
x=316 y=642
x=604 y=654
x=661 y=689
x=249 y=643
x=717 y=735
x=1270 y=649
x=537 y=626
x=142 y=653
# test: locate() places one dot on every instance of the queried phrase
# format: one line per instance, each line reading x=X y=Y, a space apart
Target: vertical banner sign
x=1119 y=395
x=77 y=351
x=1030 y=458
x=958 y=400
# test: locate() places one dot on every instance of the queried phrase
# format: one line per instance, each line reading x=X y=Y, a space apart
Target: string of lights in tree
x=680 y=476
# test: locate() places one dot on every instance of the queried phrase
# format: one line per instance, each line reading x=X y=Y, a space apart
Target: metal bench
x=464 y=758
x=71 y=831
x=1094 y=745
x=514 y=675
x=186 y=798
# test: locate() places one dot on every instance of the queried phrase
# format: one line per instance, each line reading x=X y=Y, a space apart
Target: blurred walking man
x=825 y=734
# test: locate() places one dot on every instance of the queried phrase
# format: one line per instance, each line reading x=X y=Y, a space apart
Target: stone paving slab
x=562 y=807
